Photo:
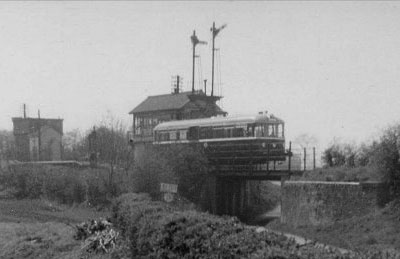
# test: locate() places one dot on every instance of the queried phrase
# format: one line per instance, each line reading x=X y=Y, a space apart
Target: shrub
x=62 y=184
x=345 y=174
x=157 y=230
x=381 y=156
x=339 y=154
x=186 y=166
x=26 y=183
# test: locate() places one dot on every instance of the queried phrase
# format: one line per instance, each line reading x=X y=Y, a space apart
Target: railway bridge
x=228 y=189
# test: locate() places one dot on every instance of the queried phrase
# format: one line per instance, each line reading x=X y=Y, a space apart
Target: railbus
x=250 y=140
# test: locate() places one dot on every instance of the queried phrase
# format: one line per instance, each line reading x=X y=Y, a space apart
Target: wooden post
x=290 y=155
x=314 y=158
x=267 y=157
x=39 y=136
x=305 y=157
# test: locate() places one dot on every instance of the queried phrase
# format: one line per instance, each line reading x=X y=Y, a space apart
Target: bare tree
x=112 y=146
x=73 y=145
x=306 y=140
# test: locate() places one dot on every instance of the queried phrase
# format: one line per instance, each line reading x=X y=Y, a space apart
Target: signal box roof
x=217 y=121
x=171 y=102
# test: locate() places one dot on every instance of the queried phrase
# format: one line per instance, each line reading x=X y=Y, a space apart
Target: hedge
x=156 y=230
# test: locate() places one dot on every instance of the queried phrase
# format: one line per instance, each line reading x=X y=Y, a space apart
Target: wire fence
x=301 y=159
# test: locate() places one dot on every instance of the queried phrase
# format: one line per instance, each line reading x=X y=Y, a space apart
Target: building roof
x=168 y=102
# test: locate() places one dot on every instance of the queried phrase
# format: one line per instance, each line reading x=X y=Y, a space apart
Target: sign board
x=168 y=187
x=168 y=197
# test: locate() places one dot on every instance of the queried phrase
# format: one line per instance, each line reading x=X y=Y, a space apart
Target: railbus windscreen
x=269 y=130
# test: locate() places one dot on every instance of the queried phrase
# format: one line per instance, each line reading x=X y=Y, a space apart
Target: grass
x=36 y=210
x=38 y=240
x=41 y=229
x=346 y=174
x=375 y=231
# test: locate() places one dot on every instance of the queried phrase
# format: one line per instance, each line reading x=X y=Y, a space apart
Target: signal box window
x=182 y=134
x=172 y=135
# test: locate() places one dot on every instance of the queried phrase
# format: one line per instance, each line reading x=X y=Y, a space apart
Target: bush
x=382 y=156
x=62 y=184
x=186 y=166
x=264 y=196
x=339 y=154
x=157 y=230
x=343 y=174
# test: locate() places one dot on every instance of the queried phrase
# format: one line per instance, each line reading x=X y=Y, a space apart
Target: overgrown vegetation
x=264 y=196
x=185 y=166
x=381 y=155
x=157 y=230
x=343 y=174
x=62 y=184
x=375 y=231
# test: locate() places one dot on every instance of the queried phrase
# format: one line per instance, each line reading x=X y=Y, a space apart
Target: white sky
x=328 y=69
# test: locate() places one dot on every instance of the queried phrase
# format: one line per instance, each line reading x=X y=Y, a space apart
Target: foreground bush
x=156 y=230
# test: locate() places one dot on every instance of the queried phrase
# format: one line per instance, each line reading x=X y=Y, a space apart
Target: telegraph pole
x=39 y=135
x=314 y=158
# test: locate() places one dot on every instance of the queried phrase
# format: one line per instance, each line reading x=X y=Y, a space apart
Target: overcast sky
x=329 y=69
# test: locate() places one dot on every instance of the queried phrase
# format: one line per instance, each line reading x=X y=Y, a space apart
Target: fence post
x=314 y=158
x=268 y=157
x=305 y=159
x=290 y=154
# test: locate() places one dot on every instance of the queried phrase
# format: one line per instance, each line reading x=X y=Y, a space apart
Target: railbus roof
x=217 y=121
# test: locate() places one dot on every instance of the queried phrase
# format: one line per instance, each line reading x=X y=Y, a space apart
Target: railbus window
x=203 y=133
x=280 y=130
x=259 y=130
x=219 y=133
x=228 y=132
x=193 y=133
x=238 y=132
x=271 y=130
x=250 y=130
x=209 y=133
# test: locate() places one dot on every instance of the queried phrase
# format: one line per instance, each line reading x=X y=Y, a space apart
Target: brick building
x=38 y=139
